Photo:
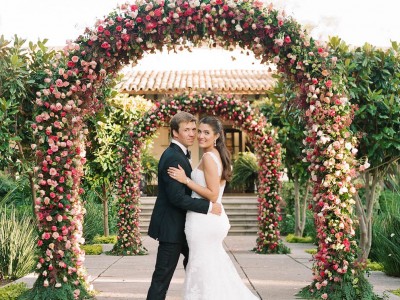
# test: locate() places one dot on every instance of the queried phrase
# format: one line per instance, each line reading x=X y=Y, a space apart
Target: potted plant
x=149 y=173
x=245 y=172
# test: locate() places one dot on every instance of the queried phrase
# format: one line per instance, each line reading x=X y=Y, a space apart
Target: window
x=233 y=141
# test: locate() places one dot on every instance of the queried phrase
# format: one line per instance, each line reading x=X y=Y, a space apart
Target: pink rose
x=45 y=235
x=53 y=171
x=59 y=83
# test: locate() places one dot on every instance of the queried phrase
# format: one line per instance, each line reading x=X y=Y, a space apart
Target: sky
x=355 y=21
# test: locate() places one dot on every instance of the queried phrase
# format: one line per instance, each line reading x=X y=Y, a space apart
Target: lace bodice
x=198 y=177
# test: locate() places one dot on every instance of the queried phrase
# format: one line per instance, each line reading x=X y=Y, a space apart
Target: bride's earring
x=215 y=143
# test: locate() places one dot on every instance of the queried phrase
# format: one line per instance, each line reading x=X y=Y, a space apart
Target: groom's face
x=187 y=133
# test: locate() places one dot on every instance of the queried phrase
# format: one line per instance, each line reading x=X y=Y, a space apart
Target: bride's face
x=206 y=136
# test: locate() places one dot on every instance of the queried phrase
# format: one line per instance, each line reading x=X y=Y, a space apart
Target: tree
x=22 y=72
x=111 y=127
x=284 y=114
x=373 y=81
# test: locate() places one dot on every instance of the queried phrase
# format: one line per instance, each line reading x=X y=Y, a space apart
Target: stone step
x=237 y=202
x=241 y=210
x=251 y=200
x=234 y=230
x=232 y=216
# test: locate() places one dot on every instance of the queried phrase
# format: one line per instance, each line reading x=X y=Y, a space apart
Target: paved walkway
x=271 y=277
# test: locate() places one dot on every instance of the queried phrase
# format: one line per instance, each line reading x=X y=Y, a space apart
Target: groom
x=168 y=219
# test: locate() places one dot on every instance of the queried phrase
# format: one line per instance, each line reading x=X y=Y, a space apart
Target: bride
x=210 y=274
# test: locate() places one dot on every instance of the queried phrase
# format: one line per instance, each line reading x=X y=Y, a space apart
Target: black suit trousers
x=167 y=258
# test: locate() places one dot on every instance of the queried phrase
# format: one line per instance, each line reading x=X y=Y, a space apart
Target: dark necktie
x=188 y=154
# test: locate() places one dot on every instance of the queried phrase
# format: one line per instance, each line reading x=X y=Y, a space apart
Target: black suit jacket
x=173 y=200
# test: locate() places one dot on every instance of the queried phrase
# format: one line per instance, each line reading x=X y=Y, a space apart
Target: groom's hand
x=216 y=209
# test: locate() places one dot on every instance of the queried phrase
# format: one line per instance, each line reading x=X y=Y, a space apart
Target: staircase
x=242 y=211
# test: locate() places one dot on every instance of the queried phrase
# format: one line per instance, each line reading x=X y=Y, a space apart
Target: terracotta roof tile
x=174 y=81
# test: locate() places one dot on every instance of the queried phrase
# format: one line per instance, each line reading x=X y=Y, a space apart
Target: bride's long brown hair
x=217 y=128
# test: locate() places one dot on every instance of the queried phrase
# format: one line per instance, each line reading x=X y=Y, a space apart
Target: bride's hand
x=177 y=174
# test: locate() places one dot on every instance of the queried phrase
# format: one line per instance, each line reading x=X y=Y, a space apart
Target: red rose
x=100 y=28
x=328 y=83
x=125 y=37
x=157 y=12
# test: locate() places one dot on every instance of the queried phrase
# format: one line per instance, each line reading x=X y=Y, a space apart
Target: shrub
x=112 y=239
x=396 y=292
x=287 y=225
x=291 y=238
x=386 y=234
x=311 y=251
x=93 y=222
x=94 y=249
x=16 y=191
x=245 y=171
x=309 y=229
x=17 y=244
x=149 y=172
x=288 y=222
x=374 y=266
x=13 y=291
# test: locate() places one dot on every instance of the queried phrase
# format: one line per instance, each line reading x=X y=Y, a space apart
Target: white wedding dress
x=210 y=273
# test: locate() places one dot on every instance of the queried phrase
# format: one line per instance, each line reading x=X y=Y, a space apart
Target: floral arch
x=261 y=135
x=75 y=86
